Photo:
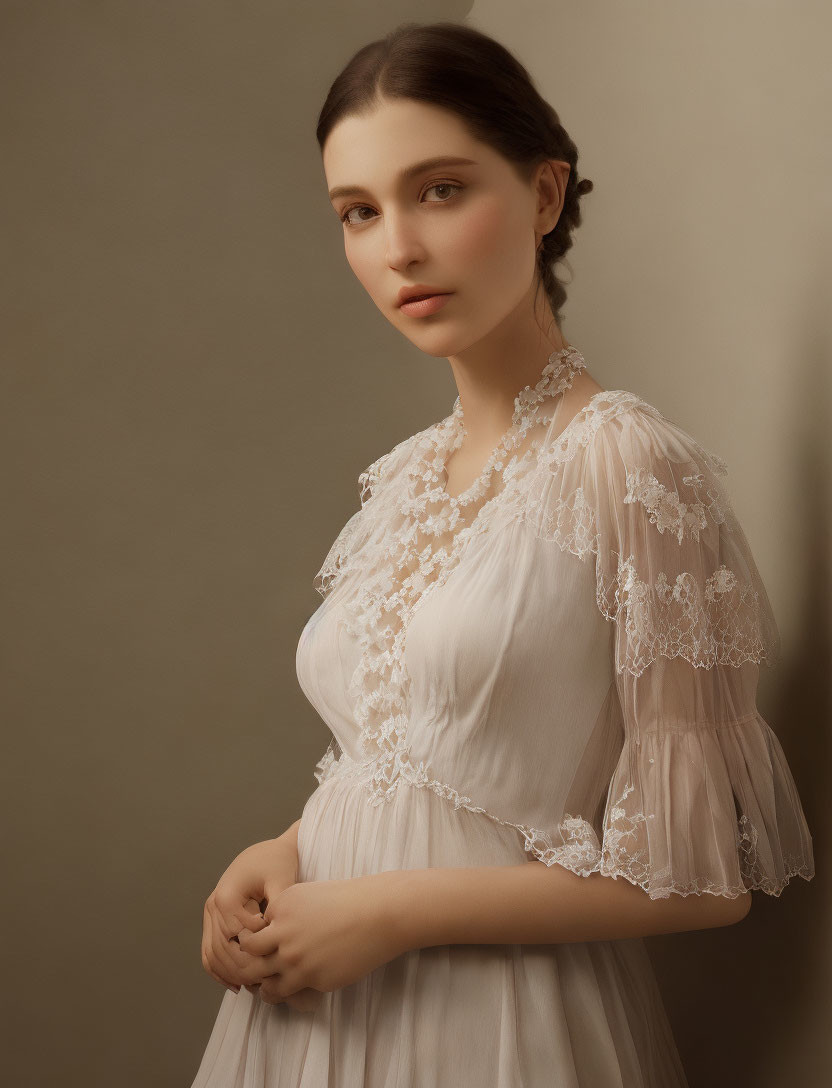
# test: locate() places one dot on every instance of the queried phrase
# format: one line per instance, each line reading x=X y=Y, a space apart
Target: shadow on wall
x=747 y=1002
x=781 y=939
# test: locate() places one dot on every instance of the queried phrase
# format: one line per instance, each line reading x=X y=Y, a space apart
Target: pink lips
x=424 y=306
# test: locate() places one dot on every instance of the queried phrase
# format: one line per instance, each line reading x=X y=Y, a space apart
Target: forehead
x=371 y=149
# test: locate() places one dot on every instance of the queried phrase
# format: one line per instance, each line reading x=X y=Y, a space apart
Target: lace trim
x=579 y=849
x=424 y=539
x=339 y=558
x=342 y=555
x=718 y=623
x=371 y=479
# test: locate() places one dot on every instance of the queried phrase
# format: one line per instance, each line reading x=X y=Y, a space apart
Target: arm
x=326 y=934
x=535 y=904
x=289 y=840
x=276 y=858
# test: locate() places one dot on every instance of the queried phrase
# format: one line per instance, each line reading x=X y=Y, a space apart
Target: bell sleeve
x=702 y=798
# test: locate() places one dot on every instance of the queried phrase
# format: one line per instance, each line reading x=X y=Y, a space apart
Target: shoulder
x=658 y=494
x=630 y=486
x=620 y=464
x=617 y=432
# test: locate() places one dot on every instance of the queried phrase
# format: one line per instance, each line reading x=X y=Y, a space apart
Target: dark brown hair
x=461 y=69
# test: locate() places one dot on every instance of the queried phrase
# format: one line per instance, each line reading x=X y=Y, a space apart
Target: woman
x=537 y=652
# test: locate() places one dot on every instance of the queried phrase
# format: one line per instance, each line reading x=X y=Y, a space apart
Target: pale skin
x=471 y=229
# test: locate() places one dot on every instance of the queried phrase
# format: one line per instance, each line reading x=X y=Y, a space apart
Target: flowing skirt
x=576 y=1015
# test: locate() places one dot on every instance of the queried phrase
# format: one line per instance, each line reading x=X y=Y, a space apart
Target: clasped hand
x=312 y=936
x=321 y=934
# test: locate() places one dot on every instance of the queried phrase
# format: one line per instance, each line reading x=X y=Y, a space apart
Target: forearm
x=286 y=850
x=290 y=837
x=531 y=903
x=277 y=858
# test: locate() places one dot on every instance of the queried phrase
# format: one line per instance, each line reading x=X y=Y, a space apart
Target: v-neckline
x=568 y=358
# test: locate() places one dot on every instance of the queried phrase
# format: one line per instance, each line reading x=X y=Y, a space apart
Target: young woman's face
x=467 y=228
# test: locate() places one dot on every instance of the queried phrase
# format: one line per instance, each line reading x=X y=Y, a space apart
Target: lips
x=424 y=307
x=419 y=291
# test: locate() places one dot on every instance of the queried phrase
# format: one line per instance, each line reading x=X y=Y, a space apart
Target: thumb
x=248 y=916
x=253 y=915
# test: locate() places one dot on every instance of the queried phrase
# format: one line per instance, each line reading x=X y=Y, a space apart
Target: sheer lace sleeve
x=702 y=798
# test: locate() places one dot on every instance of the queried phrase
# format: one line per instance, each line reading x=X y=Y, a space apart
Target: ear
x=551 y=179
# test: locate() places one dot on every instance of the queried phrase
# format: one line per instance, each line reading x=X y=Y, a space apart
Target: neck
x=491 y=373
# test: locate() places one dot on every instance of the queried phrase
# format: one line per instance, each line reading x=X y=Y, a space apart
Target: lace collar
x=532 y=405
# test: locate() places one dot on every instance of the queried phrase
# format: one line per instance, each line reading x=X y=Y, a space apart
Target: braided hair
x=554 y=245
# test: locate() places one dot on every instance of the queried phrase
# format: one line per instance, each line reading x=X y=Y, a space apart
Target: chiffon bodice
x=569 y=648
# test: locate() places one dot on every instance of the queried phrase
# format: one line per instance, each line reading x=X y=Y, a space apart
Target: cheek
x=359 y=264
x=369 y=268
x=490 y=239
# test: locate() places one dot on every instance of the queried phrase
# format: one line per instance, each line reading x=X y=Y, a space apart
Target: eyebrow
x=405 y=174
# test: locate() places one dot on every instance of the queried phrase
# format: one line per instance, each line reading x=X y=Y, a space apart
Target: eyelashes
x=434 y=185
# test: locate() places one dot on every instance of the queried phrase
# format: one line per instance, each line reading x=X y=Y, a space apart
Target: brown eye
x=443 y=185
x=355 y=208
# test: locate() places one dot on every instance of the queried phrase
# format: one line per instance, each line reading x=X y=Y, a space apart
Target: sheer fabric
x=558 y=665
x=701 y=798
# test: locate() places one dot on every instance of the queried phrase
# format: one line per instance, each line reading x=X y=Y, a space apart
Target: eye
x=345 y=218
x=442 y=185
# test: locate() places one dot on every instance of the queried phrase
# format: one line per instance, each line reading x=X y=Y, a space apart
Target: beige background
x=192 y=381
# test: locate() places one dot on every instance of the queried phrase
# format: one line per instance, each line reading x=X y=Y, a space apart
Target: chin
x=440 y=343
x=436 y=350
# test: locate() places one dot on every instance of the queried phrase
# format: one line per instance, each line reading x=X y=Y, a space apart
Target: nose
x=403 y=243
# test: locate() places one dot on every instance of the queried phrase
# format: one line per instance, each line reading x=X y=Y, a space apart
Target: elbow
x=708 y=911
x=734 y=910
x=743 y=906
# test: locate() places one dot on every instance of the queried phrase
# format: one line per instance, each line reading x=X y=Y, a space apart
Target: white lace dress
x=558 y=666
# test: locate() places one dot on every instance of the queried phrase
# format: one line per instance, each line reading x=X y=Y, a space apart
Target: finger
x=235 y=963
x=239 y=966
x=251 y=915
x=206 y=953
x=221 y=955
x=263 y=943
x=229 y=959
x=225 y=918
x=217 y=978
x=237 y=916
x=241 y=920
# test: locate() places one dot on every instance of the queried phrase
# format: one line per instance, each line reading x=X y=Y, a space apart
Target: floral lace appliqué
x=666 y=509
x=718 y=622
x=424 y=540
